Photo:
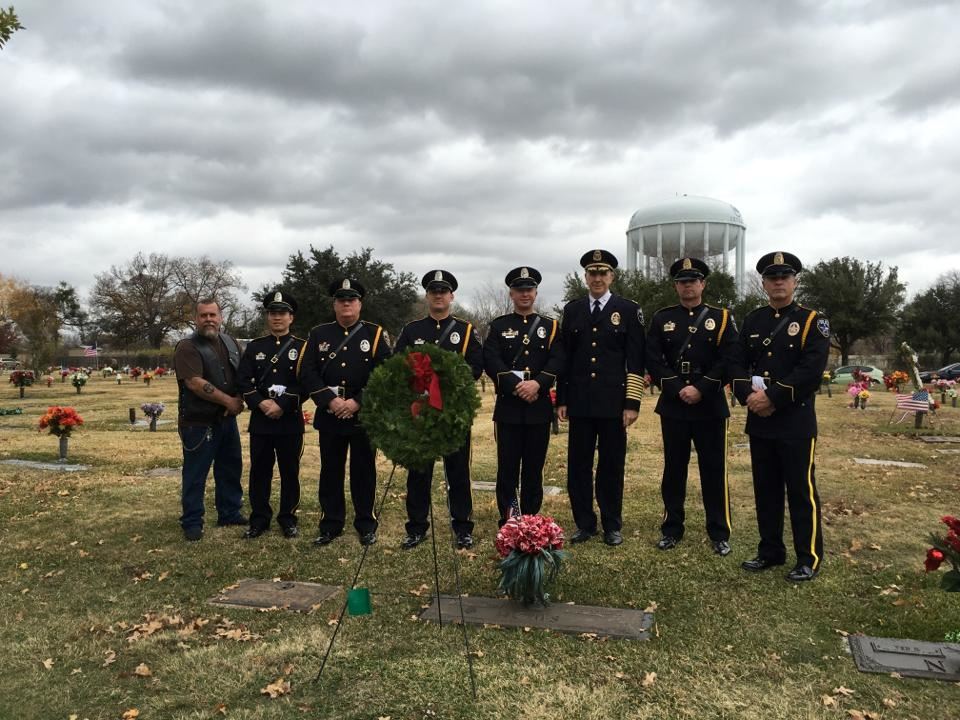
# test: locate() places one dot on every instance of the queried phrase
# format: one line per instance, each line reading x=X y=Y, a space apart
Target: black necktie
x=595 y=315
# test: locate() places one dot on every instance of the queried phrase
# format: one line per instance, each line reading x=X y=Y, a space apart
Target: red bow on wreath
x=424 y=382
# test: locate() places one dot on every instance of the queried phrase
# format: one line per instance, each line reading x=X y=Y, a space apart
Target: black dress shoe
x=326 y=537
x=759 y=564
x=369 y=538
x=412 y=540
x=667 y=543
x=192 y=534
x=582 y=536
x=802 y=573
x=253 y=532
x=236 y=520
x=464 y=541
x=290 y=531
x=613 y=538
x=721 y=547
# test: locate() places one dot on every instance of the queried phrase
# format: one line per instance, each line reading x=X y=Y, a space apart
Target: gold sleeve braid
x=636 y=384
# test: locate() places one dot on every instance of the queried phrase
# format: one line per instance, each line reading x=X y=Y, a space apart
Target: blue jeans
x=222 y=450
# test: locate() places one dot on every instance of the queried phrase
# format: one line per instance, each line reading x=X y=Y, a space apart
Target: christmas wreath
x=419 y=405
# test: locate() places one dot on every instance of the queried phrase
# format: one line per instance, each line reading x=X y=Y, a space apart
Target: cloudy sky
x=475 y=136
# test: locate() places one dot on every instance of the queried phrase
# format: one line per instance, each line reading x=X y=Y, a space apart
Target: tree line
x=148 y=301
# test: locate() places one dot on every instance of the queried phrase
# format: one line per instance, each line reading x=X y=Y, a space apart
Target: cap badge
x=346 y=284
x=277 y=297
x=597 y=256
x=438 y=276
x=687 y=265
x=524 y=273
x=778 y=259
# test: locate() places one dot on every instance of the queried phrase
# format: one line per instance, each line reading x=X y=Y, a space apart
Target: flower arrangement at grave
x=946 y=548
x=895 y=380
x=22 y=379
x=160 y=372
x=78 y=380
x=153 y=411
x=147 y=377
x=420 y=405
x=943 y=386
x=307 y=417
x=135 y=372
x=60 y=422
x=860 y=384
x=48 y=379
x=106 y=371
x=532 y=550
x=863 y=395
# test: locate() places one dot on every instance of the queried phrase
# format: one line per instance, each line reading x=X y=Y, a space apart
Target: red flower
x=529 y=534
x=934 y=559
x=951 y=522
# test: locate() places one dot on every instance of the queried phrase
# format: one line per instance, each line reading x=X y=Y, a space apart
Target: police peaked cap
x=345 y=288
x=598 y=260
x=523 y=277
x=438 y=280
x=779 y=263
x=689 y=268
x=279 y=301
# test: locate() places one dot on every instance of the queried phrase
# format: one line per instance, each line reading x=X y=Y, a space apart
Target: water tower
x=684 y=226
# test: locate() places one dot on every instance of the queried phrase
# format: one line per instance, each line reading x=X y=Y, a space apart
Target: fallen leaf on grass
x=142 y=670
x=846 y=692
x=649 y=678
x=109 y=657
x=828 y=701
x=652 y=607
x=420 y=590
x=220 y=709
x=856 y=545
x=131 y=714
x=874 y=546
x=478 y=653
x=163 y=576
x=889 y=702
x=48 y=663
x=277 y=688
x=23 y=566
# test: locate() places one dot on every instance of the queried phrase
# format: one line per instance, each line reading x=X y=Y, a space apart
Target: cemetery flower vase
x=64 y=442
x=153 y=424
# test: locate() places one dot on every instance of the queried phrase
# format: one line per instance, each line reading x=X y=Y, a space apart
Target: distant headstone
x=948 y=451
x=164 y=472
x=484 y=486
x=573 y=619
x=285 y=595
x=910 y=658
x=890 y=463
x=939 y=439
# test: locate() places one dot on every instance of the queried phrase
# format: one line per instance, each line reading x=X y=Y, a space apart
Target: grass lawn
x=103 y=610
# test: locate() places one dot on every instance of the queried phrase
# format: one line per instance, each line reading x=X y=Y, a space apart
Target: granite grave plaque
x=284 y=594
x=910 y=658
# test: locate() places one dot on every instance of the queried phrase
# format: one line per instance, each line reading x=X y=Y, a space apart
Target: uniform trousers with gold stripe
x=521 y=454
x=420 y=482
x=608 y=438
x=709 y=437
x=363 y=480
x=778 y=465
x=286 y=449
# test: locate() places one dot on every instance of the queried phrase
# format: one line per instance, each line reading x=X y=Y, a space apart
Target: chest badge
x=364 y=346
x=710 y=324
x=455 y=338
x=323 y=347
x=615 y=318
x=260 y=356
x=541 y=332
x=793 y=328
x=669 y=326
x=418 y=341
x=292 y=354
x=509 y=334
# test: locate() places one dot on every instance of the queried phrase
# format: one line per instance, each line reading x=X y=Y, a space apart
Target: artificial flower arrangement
x=147 y=377
x=22 y=378
x=153 y=411
x=79 y=379
x=532 y=550
x=59 y=421
x=946 y=548
x=160 y=372
x=895 y=380
x=135 y=372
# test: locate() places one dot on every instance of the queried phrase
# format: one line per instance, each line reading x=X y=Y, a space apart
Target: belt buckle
x=685 y=368
x=341 y=392
x=526 y=374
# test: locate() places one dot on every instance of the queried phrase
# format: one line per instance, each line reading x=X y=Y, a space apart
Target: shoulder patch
x=823 y=325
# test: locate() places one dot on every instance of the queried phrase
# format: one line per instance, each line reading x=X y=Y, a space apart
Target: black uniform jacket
x=509 y=347
x=462 y=339
x=603 y=373
x=262 y=368
x=791 y=362
x=323 y=366
x=704 y=362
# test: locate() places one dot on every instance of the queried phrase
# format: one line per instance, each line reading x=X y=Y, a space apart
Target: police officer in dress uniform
x=600 y=392
x=334 y=368
x=267 y=379
x=523 y=356
x=778 y=366
x=689 y=348
x=456 y=335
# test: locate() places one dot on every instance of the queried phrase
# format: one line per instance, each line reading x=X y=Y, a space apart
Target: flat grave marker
x=485 y=486
x=939 y=439
x=284 y=594
x=890 y=463
x=573 y=619
x=36 y=465
x=910 y=658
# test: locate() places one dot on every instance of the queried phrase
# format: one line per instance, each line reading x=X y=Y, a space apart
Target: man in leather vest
x=209 y=402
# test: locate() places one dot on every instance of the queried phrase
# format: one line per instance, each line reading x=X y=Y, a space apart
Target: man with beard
x=268 y=381
x=689 y=347
x=778 y=367
x=334 y=368
x=523 y=356
x=208 y=405
x=449 y=333
x=600 y=392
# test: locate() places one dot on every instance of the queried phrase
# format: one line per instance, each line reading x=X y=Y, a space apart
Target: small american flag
x=917 y=402
x=90 y=350
x=514 y=508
